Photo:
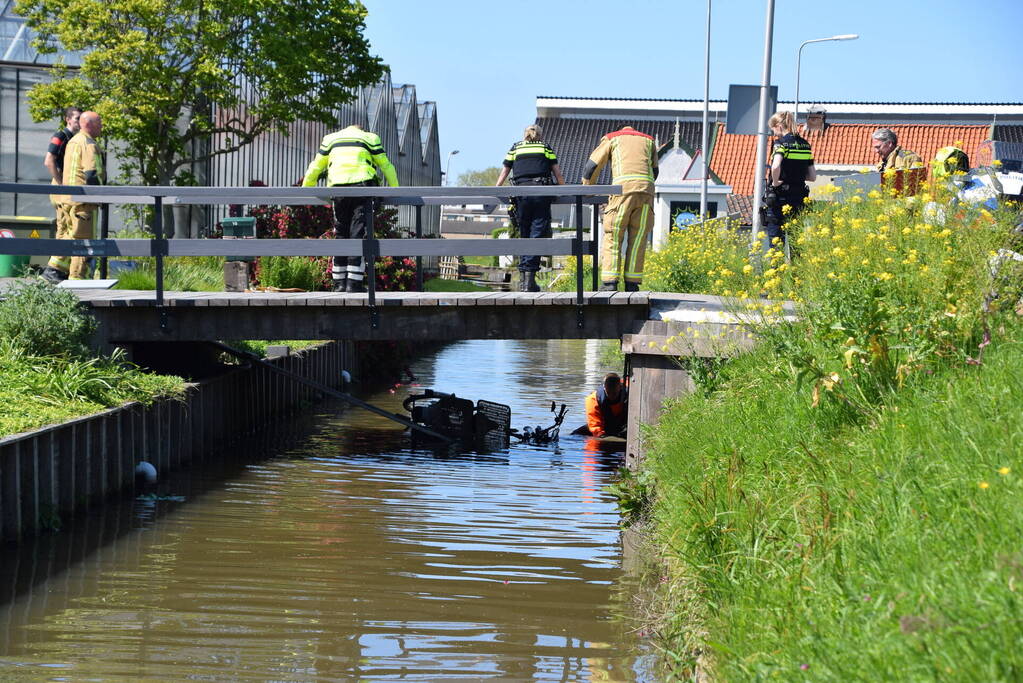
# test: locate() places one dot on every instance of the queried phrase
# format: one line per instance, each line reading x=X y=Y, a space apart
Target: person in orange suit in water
x=607 y=408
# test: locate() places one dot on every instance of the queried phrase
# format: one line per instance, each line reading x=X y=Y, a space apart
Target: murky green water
x=341 y=553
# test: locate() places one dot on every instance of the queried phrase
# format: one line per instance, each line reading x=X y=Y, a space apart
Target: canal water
x=334 y=550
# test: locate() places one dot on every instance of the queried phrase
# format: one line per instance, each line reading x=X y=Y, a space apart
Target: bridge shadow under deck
x=132 y=316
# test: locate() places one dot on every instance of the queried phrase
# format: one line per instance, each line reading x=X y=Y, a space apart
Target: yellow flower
x=984 y=484
x=1003 y=471
x=747 y=269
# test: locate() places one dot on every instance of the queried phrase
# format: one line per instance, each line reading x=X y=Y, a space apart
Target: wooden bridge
x=132 y=316
x=654 y=327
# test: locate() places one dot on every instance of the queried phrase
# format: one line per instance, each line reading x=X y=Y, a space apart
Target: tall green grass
x=828 y=551
x=838 y=503
x=180 y=274
x=47 y=372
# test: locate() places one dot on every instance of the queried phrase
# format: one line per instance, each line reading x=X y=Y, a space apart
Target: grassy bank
x=47 y=373
x=856 y=519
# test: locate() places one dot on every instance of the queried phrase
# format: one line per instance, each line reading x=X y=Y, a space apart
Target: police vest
x=530 y=162
x=796 y=159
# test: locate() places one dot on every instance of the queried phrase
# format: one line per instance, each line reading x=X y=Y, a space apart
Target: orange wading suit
x=630 y=215
x=83 y=165
x=605 y=417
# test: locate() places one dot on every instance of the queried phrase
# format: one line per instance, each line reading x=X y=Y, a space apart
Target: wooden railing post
x=158 y=247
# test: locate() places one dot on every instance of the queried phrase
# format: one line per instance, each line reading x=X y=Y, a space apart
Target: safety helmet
x=948 y=161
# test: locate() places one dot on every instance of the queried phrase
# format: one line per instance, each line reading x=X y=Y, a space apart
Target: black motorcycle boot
x=531 y=285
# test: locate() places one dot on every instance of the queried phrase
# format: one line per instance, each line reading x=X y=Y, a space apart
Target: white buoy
x=146 y=471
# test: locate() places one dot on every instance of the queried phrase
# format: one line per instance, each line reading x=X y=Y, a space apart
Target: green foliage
x=565 y=280
x=684 y=263
x=53 y=388
x=437 y=284
x=480 y=178
x=158 y=70
x=180 y=273
x=848 y=548
x=633 y=493
x=287 y=272
x=839 y=498
x=45 y=321
x=259 y=346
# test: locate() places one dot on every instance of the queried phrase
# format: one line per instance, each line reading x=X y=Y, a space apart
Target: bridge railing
x=159 y=247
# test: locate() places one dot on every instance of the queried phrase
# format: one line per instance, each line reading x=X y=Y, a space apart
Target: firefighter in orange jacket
x=607 y=408
x=630 y=215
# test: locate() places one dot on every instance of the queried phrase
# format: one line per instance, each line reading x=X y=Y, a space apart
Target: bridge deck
x=127 y=316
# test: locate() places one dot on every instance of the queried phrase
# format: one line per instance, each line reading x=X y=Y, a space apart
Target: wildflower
x=1003 y=471
x=984 y=484
x=747 y=269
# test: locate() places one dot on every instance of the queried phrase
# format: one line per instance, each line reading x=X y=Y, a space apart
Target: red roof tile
x=841 y=143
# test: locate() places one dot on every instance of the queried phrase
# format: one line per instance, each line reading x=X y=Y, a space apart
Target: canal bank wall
x=51 y=474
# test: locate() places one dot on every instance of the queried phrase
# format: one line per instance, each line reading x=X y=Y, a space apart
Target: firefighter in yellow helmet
x=83 y=165
x=949 y=161
x=630 y=215
x=350 y=158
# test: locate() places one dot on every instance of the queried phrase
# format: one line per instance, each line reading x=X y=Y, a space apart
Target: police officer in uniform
x=531 y=161
x=350 y=158
x=791 y=168
x=629 y=216
x=54 y=163
x=83 y=165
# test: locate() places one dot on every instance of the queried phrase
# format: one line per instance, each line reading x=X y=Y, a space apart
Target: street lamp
x=447 y=166
x=799 y=56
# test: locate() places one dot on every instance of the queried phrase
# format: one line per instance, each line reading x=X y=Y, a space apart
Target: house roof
x=574 y=138
x=547 y=105
x=1004 y=133
x=734 y=156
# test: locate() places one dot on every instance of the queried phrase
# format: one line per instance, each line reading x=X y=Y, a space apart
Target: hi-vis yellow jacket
x=633 y=161
x=350 y=156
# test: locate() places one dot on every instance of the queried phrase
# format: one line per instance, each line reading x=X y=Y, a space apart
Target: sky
x=485 y=62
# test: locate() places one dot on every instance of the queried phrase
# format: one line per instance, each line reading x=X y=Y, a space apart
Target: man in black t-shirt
x=54 y=163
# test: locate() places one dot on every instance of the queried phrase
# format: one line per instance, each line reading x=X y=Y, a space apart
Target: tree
x=487 y=176
x=166 y=75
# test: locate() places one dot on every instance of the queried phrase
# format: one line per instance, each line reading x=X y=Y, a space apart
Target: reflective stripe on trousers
x=627 y=219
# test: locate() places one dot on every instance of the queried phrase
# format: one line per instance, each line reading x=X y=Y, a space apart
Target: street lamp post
x=703 y=133
x=799 y=57
x=447 y=166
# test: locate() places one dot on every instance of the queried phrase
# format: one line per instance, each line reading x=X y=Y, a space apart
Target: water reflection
x=347 y=555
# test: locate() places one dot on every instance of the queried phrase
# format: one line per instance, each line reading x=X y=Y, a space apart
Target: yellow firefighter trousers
x=627 y=219
x=74 y=222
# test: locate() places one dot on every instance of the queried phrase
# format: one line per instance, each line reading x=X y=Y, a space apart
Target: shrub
x=699 y=259
x=45 y=321
x=286 y=272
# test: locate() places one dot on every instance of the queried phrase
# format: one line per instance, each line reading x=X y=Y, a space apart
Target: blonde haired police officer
x=350 y=158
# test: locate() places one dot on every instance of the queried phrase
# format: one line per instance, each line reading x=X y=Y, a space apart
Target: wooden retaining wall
x=53 y=473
